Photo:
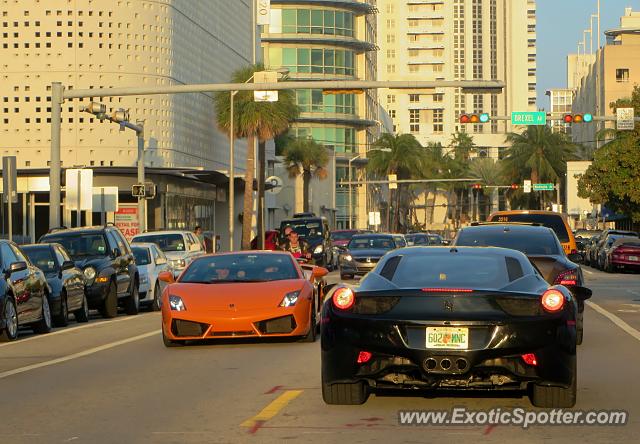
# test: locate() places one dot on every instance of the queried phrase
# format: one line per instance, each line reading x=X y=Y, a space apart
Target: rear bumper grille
x=180 y=327
x=281 y=325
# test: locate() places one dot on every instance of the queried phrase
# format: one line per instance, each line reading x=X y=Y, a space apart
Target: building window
x=413 y=98
x=316 y=21
x=414 y=68
x=391 y=98
x=391 y=38
x=438 y=121
x=414 y=120
x=392 y=113
x=314 y=60
x=622 y=75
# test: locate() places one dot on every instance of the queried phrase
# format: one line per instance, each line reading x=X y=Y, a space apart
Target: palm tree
x=261 y=120
x=404 y=156
x=538 y=154
x=306 y=157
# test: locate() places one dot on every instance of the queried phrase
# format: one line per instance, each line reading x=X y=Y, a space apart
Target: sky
x=560 y=26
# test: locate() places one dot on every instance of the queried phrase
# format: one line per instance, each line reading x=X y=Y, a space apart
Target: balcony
x=321 y=39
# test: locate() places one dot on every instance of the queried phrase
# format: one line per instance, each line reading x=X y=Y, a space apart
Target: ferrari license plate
x=633 y=258
x=448 y=337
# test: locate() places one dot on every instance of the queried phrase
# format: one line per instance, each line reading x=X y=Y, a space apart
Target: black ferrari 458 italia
x=460 y=318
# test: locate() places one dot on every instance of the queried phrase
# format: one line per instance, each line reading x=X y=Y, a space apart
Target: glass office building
x=329 y=40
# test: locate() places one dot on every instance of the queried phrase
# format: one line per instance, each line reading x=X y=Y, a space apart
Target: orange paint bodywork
x=239 y=310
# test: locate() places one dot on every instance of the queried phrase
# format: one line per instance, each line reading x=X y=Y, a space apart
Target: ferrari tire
x=579 y=328
x=82 y=314
x=345 y=394
x=109 y=307
x=170 y=342
x=344 y=276
x=556 y=397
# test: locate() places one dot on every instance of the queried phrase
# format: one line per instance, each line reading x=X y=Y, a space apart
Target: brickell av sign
x=529 y=118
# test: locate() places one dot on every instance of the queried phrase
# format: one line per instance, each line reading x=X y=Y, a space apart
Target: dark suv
x=314 y=230
x=108 y=265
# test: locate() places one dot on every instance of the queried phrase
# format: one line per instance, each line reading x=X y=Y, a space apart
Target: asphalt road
x=114 y=382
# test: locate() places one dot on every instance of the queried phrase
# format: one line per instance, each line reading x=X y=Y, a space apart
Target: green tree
x=403 y=156
x=613 y=178
x=253 y=120
x=308 y=158
x=537 y=154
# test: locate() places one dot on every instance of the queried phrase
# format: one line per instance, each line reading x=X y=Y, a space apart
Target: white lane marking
x=628 y=311
x=70 y=329
x=587 y=271
x=81 y=354
x=615 y=319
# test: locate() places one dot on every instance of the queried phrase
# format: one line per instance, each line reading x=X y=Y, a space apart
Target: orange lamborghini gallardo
x=248 y=294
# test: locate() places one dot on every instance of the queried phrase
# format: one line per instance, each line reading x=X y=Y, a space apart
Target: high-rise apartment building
x=613 y=75
x=329 y=40
x=119 y=43
x=457 y=40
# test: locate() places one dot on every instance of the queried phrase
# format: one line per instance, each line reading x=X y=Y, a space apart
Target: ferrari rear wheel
x=579 y=328
x=556 y=397
x=170 y=342
x=345 y=394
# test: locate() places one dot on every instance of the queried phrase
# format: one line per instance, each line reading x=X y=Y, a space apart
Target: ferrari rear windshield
x=240 y=268
x=531 y=242
x=454 y=270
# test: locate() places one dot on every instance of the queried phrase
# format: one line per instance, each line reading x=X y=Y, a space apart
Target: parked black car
x=314 y=230
x=108 y=265
x=65 y=280
x=23 y=294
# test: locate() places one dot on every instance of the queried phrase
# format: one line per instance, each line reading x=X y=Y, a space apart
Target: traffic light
x=97 y=109
x=475 y=118
x=138 y=190
x=514 y=186
x=578 y=118
x=120 y=115
x=149 y=190
x=476 y=186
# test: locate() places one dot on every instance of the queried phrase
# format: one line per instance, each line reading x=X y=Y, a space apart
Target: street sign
x=79 y=189
x=393 y=185
x=105 y=199
x=126 y=219
x=543 y=187
x=265 y=77
x=526 y=186
x=529 y=118
x=625 y=119
x=374 y=218
x=9 y=179
x=276 y=185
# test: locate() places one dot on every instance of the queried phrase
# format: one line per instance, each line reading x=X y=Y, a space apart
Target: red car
x=624 y=253
x=270 y=241
x=340 y=238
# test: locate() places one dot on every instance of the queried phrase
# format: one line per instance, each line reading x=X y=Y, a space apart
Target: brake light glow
x=447 y=290
x=530 y=359
x=364 y=357
x=343 y=298
x=567 y=277
x=552 y=300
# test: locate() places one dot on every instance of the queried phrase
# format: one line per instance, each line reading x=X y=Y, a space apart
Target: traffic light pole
x=142 y=201
x=58 y=94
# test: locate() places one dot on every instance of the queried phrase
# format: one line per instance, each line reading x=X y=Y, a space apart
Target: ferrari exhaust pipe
x=430 y=364
x=462 y=364
x=445 y=364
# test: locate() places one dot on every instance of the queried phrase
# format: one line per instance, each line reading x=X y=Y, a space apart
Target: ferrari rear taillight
x=567 y=277
x=552 y=300
x=530 y=359
x=364 y=357
x=343 y=298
